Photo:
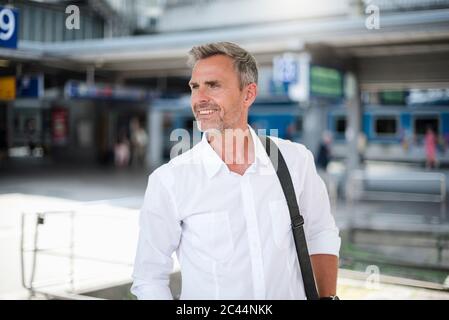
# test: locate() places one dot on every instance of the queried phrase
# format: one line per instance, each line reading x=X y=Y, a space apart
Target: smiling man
x=220 y=206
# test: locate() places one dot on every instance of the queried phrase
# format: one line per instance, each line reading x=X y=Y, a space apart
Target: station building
x=371 y=69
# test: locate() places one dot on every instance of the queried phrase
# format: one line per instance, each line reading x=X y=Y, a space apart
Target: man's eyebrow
x=211 y=82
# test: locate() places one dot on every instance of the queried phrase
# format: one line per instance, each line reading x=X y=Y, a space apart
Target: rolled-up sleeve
x=320 y=229
x=159 y=236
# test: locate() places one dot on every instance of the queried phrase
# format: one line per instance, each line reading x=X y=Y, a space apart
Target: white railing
x=427 y=187
x=407 y=5
x=405 y=186
x=64 y=251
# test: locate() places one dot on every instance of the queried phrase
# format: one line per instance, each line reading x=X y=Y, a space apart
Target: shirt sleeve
x=159 y=236
x=321 y=232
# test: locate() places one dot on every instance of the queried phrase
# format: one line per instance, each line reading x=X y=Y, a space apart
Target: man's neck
x=234 y=146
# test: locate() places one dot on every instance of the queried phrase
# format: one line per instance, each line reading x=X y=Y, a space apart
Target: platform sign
x=30 y=86
x=59 y=126
x=9 y=23
x=393 y=98
x=435 y=97
x=285 y=68
x=291 y=76
x=7 y=88
x=80 y=90
x=326 y=82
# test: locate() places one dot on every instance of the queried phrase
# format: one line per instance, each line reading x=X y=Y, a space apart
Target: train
x=392 y=133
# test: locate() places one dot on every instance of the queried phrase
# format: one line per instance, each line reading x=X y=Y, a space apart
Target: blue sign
x=30 y=86
x=285 y=69
x=9 y=22
x=433 y=97
x=75 y=89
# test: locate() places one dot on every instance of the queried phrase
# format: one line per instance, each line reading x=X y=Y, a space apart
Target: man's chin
x=205 y=126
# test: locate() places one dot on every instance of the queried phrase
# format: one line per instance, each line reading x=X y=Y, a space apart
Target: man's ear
x=251 y=93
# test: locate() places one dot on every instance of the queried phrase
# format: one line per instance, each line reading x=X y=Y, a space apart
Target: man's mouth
x=206 y=112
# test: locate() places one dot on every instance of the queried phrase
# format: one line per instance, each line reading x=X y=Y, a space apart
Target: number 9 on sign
x=7 y=24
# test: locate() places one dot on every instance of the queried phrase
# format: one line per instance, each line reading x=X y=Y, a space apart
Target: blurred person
x=323 y=158
x=324 y=151
x=122 y=151
x=406 y=139
x=361 y=147
x=139 y=141
x=31 y=135
x=430 y=146
x=220 y=205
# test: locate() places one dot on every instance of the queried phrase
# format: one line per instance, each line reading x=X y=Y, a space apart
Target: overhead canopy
x=165 y=54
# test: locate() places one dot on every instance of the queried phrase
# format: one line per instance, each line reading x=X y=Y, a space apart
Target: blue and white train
x=394 y=133
x=391 y=132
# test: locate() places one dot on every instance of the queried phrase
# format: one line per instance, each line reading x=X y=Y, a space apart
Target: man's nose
x=202 y=95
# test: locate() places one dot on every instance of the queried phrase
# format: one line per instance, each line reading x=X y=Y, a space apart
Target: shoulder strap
x=296 y=218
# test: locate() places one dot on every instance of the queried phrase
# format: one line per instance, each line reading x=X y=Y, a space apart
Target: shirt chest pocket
x=213 y=234
x=281 y=223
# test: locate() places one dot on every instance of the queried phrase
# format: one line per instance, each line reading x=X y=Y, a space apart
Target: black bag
x=296 y=218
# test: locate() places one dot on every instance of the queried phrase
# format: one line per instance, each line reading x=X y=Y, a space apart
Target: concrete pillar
x=353 y=122
x=314 y=125
x=90 y=75
x=155 y=144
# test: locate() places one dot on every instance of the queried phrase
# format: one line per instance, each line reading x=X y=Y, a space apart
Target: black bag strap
x=296 y=218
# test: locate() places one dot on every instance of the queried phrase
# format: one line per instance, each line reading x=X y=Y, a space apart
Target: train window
x=386 y=126
x=299 y=124
x=340 y=125
x=422 y=123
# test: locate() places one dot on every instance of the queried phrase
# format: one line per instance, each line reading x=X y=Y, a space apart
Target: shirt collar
x=213 y=163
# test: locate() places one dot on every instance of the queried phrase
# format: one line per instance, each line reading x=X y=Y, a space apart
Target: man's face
x=216 y=99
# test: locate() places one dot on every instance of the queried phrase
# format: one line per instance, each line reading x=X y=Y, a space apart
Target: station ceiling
x=404 y=34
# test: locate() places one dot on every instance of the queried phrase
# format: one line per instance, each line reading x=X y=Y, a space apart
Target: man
x=220 y=205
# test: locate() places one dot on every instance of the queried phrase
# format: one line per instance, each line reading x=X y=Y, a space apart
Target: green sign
x=392 y=97
x=326 y=82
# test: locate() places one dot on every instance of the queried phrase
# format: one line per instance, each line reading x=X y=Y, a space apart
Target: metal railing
x=393 y=228
x=360 y=187
x=62 y=287
x=408 y=5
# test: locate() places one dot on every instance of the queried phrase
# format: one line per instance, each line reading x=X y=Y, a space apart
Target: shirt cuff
x=327 y=242
x=151 y=292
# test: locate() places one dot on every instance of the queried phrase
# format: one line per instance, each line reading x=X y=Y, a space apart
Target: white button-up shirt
x=231 y=233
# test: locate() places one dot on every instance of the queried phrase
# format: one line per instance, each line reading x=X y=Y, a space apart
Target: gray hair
x=244 y=62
